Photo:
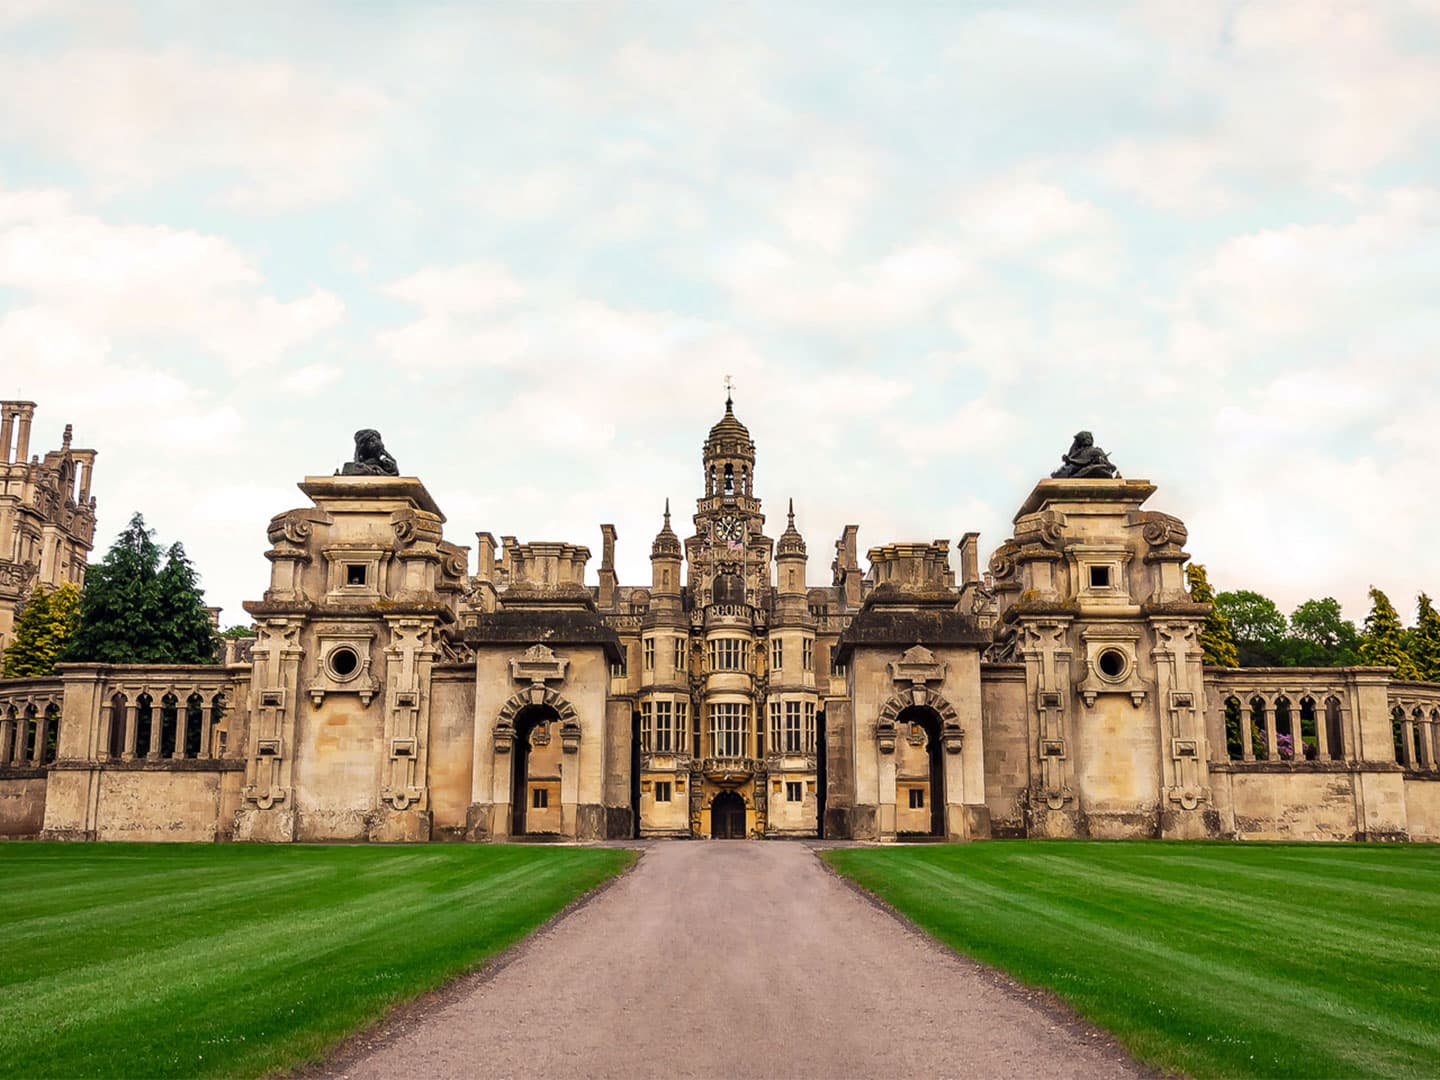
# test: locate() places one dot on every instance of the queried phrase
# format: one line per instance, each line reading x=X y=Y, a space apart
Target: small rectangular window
x=807 y=654
x=649 y=654
x=793 y=791
x=680 y=654
x=917 y=798
x=1100 y=577
x=354 y=573
x=662 y=790
x=646 y=725
x=539 y=798
x=663 y=732
x=777 y=654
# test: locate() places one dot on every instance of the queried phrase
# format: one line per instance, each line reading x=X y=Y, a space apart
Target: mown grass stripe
x=237 y=961
x=1210 y=959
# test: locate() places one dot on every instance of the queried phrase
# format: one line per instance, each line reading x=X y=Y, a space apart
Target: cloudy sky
x=929 y=241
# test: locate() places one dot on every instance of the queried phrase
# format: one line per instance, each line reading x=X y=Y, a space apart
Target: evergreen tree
x=184 y=622
x=1383 y=642
x=134 y=611
x=1217 y=637
x=1425 y=640
x=43 y=628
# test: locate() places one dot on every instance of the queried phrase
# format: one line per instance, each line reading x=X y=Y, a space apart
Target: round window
x=344 y=661
x=1112 y=663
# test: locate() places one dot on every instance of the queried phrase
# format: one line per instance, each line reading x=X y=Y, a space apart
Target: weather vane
x=729 y=385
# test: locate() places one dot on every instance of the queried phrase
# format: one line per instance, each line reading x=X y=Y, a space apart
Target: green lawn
x=237 y=960
x=1209 y=959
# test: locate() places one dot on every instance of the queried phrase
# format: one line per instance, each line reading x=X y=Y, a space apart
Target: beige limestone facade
x=47 y=514
x=402 y=687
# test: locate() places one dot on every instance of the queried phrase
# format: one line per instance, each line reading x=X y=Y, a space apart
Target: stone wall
x=1007 y=747
x=22 y=804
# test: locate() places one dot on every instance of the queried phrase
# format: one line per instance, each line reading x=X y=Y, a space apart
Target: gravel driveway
x=735 y=958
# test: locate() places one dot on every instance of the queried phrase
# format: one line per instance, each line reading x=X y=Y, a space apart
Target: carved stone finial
x=371 y=457
x=791 y=513
x=1085 y=460
x=667 y=511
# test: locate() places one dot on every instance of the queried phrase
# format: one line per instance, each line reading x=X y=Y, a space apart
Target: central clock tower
x=728 y=558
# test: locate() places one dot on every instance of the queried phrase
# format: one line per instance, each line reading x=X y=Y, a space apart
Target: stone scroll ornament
x=371 y=457
x=1085 y=461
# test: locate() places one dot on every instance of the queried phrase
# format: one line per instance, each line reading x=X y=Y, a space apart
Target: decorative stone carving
x=371 y=457
x=538 y=665
x=1085 y=460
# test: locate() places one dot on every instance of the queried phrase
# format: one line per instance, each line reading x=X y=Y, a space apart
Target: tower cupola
x=729 y=458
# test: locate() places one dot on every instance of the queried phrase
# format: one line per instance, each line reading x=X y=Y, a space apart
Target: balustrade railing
x=30 y=712
x=1282 y=714
x=1415 y=725
x=162 y=716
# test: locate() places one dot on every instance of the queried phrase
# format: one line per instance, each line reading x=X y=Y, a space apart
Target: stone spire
x=790 y=542
x=667 y=544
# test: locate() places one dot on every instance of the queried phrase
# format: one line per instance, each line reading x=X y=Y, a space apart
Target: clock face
x=729 y=529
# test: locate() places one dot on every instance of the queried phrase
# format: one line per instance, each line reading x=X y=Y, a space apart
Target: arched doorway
x=928 y=721
x=538 y=792
x=727 y=817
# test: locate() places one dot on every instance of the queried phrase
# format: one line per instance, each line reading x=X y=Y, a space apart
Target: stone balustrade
x=1282 y=714
x=1415 y=725
x=30 y=712
x=161 y=714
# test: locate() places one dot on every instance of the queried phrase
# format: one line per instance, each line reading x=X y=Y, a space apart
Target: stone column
x=1408 y=735
x=132 y=727
x=7 y=433
x=182 y=723
x=7 y=735
x=1322 y=731
x=1272 y=748
x=157 y=710
x=1427 y=745
x=107 y=718
x=38 y=754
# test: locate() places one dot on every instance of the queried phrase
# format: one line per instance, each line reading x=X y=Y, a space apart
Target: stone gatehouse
x=400 y=688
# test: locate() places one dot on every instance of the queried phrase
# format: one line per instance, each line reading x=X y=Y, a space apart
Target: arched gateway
x=727 y=817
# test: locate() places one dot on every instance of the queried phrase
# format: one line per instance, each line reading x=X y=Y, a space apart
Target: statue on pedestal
x=1085 y=461
x=371 y=457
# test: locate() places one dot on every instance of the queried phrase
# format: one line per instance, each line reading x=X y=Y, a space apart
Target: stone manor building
x=402 y=688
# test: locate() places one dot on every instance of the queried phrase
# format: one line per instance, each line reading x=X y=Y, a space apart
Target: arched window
x=193 y=731
x=1397 y=732
x=115 y=746
x=169 y=726
x=1234 y=729
x=1309 y=746
x=1285 y=733
x=1417 y=759
x=710 y=483
x=1334 y=729
x=1258 y=735
x=32 y=735
x=51 y=750
x=729 y=479
x=144 y=711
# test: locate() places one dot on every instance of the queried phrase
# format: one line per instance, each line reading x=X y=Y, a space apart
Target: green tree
x=237 y=631
x=43 y=628
x=1425 y=640
x=1320 y=636
x=1217 y=637
x=136 y=610
x=1258 y=626
x=1383 y=642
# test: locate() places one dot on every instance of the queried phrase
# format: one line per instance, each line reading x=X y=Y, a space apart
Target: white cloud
x=108 y=282
x=133 y=117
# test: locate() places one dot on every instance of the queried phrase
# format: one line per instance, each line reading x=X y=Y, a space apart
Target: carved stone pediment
x=918 y=666
x=538 y=665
